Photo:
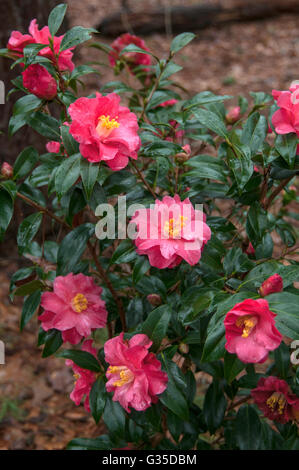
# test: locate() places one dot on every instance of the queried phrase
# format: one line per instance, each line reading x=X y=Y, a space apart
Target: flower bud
x=233 y=115
x=39 y=82
x=271 y=285
x=53 y=147
x=250 y=250
x=6 y=170
x=154 y=299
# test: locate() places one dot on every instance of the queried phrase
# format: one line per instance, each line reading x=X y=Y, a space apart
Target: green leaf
x=67 y=174
x=248 y=428
x=30 y=306
x=254 y=132
x=285 y=305
x=205 y=98
x=114 y=418
x=214 y=406
x=82 y=358
x=235 y=261
x=141 y=266
x=97 y=399
x=26 y=104
x=28 y=229
x=53 y=341
x=29 y=288
x=124 y=253
x=25 y=162
x=174 y=397
x=72 y=248
x=156 y=324
x=232 y=366
x=282 y=360
x=134 y=48
x=181 y=41
x=75 y=36
x=6 y=211
x=56 y=18
x=256 y=223
x=102 y=442
x=212 y=121
x=89 y=174
x=44 y=124
x=286 y=146
x=206 y=166
x=69 y=143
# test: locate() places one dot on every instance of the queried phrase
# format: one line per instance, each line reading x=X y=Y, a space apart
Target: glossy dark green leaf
x=248 y=428
x=72 y=248
x=28 y=229
x=67 y=174
x=53 y=341
x=31 y=303
x=82 y=358
x=214 y=406
x=89 y=174
x=75 y=36
x=45 y=125
x=174 y=396
x=155 y=326
x=56 y=18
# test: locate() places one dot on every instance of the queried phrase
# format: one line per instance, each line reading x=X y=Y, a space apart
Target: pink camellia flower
x=18 y=41
x=187 y=149
x=154 y=299
x=233 y=114
x=132 y=58
x=6 y=170
x=134 y=373
x=53 y=147
x=274 y=399
x=74 y=307
x=84 y=378
x=171 y=231
x=271 y=285
x=286 y=118
x=39 y=82
x=250 y=331
x=105 y=130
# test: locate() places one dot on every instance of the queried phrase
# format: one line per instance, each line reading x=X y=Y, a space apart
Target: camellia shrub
x=160 y=245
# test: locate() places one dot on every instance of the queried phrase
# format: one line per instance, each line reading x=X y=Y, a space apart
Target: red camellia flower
x=250 y=330
x=271 y=285
x=105 y=130
x=134 y=373
x=171 y=231
x=286 y=119
x=74 y=307
x=274 y=399
x=18 y=41
x=132 y=58
x=6 y=170
x=39 y=82
x=84 y=378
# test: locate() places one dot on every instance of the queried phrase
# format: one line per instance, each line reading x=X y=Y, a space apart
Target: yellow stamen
x=79 y=303
x=247 y=323
x=277 y=400
x=125 y=375
x=172 y=228
x=76 y=376
x=106 y=125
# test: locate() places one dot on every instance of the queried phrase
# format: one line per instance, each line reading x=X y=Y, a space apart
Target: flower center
x=276 y=401
x=172 y=228
x=106 y=125
x=247 y=323
x=79 y=303
x=76 y=376
x=125 y=375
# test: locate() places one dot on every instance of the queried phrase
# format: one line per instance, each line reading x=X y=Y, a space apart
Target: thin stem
x=43 y=209
x=143 y=179
x=239 y=402
x=106 y=279
x=277 y=191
